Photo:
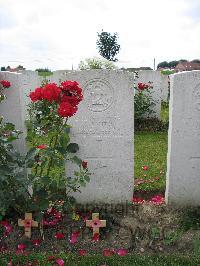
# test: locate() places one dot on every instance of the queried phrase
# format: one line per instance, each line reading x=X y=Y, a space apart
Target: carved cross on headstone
x=27 y=223
x=95 y=223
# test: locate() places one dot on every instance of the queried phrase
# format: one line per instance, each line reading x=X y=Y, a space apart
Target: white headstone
x=104 y=129
x=183 y=173
x=13 y=109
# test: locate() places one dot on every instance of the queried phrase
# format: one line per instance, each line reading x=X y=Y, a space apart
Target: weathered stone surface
x=103 y=127
x=183 y=173
x=13 y=109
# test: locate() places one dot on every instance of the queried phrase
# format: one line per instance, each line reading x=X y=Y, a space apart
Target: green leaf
x=31 y=154
x=44 y=204
x=64 y=140
x=67 y=129
x=76 y=160
x=45 y=180
x=9 y=126
x=82 y=183
x=87 y=178
x=38 y=217
x=72 y=147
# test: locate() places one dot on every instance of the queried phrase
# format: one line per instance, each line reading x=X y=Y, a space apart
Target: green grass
x=165 y=112
x=151 y=151
x=97 y=260
x=45 y=73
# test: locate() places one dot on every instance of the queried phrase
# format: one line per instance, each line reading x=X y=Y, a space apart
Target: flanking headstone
x=183 y=173
x=104 y=129
x=159 y=88
x=13 y=108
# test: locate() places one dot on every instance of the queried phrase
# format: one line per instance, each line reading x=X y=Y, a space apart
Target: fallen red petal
x=122 y=252
x=95 y=237
x=82 y=252
x=60 y=262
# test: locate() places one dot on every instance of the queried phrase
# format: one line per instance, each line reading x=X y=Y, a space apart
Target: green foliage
x=43 y=70
x=183 y=60
x=13 y=181
x=108 y=46
x=3 y=68
x=172 y=236
x=96 y=63
x=163 y=64
x=167 y=72
x=143 y=103
x=196 y=244
x=190 y=219
x=196 y=61
x=41 y=259
x=173 y=64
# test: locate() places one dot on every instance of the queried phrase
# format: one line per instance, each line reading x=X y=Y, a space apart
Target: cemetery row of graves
x=88 y=167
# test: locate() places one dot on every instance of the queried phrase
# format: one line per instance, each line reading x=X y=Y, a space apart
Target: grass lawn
x=150 y=151
x=98 y=260
x=45 y=73
x=151 y=157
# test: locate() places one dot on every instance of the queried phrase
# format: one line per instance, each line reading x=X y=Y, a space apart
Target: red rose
x=71 y=88
x=33 y=96
x=142 y=86
x=85 y=164
x=51 y=92
x=71 y=99
x=66 y=109
x=5 y=83
x=39 y=93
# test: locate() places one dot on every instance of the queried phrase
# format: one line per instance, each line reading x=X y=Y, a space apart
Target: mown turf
x=98 y=260
x=45 y=73
x=151 y=151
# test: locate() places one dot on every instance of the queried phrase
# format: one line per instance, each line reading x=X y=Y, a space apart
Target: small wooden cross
x=28 y=222
x=95 y=223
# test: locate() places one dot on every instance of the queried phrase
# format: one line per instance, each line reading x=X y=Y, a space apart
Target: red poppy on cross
x=28 y=222
x=95 y=223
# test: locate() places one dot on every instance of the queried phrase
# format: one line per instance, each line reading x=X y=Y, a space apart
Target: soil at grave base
x=148 y=194
x=138 y=228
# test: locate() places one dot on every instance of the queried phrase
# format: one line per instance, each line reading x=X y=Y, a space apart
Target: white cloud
x=56 y=33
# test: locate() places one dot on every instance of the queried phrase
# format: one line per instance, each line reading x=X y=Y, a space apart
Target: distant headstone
x=103 y=127
x=159 y=91
x=183 y=173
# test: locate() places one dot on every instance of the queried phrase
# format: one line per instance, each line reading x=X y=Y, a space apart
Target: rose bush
x=45 y=184
x=48 y=134
x=143 y=101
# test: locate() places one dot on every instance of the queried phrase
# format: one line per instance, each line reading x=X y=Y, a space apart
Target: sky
x=58 y=34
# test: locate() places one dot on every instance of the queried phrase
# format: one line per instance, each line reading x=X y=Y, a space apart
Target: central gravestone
x=104 y=129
